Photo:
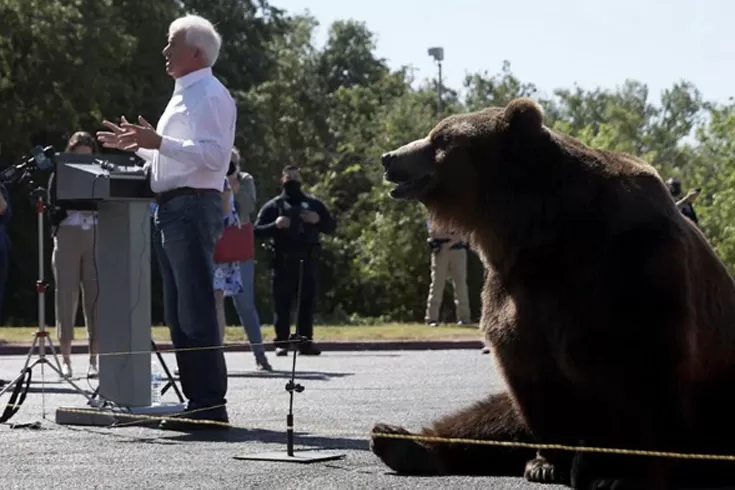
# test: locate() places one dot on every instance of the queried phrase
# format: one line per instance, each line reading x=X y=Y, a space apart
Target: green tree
x=333 y=111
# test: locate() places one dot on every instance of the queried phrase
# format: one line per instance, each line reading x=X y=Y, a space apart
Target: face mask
x=292 y=188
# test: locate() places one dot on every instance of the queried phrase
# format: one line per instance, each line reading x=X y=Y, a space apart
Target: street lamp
x=438 y=54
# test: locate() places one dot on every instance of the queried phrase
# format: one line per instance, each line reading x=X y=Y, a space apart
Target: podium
x=122 y=241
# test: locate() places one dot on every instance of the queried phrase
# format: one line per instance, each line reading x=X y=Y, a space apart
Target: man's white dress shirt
x=198 y=131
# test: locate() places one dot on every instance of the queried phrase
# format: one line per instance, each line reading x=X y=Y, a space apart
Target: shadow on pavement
x=300 y=375
x=301 y=439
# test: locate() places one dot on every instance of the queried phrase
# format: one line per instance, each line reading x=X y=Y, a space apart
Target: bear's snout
x=408 y=162
x=386 y=159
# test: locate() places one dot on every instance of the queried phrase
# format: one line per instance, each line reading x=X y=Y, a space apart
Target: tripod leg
x=55 y=355
x=15 y=380
x=30 y=353
x=42 y=360
x=57 y=369
x=171 y=382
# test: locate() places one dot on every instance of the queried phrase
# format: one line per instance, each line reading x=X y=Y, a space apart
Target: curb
x=16 y=349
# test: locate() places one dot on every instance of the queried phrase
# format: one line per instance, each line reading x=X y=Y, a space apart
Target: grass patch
x=396 y=331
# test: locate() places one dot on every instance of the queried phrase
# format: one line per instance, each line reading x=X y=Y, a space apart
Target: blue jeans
x=245 y=306
x=186 y=230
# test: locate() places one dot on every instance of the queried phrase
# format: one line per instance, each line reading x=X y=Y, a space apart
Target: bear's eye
x=440 y=141
x=440 y=155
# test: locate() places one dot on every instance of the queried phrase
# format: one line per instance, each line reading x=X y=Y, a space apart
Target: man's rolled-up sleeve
x=210 y=121
x=146 y=154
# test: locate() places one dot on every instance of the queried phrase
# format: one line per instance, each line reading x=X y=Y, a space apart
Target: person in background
x=73 y=265
x=686 y=203
x=448 y=260
x=243 y=188
x=227 y=278
x=294 y=220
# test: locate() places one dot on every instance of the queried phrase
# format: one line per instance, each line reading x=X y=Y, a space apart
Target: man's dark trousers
x=187 y=228
x=285 y=283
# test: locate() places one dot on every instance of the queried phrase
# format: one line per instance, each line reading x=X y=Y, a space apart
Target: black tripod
x=170 y=383
x=41 y=336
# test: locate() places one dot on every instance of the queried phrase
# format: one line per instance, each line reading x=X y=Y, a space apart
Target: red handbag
x=236 y=244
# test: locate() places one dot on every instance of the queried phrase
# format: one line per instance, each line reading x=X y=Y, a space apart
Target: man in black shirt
x=293 y=220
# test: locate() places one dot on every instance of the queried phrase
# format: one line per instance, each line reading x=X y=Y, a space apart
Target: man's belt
x=166 y=196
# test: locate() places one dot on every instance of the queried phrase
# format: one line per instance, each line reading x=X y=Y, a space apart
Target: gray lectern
x=122 y=194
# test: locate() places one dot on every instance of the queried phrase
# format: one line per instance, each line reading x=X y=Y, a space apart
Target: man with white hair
x=188 y=154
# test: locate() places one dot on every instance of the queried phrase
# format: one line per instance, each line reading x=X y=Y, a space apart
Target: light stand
x=312 y=456
x=41 y=336
x=438 y=54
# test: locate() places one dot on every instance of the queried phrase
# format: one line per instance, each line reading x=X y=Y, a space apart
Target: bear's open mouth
x=411 y=188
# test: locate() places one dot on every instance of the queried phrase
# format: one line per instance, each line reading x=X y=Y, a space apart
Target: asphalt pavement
x=345 y=393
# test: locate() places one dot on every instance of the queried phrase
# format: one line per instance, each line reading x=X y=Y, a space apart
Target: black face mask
x=292 y=188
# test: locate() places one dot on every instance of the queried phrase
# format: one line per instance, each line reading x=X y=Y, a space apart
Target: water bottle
x=156 y=384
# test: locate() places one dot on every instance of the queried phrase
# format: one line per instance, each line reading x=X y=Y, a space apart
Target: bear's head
x=463 y=162
x=510 y=183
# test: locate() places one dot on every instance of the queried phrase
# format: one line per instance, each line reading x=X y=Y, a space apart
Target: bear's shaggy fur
x=610 y=316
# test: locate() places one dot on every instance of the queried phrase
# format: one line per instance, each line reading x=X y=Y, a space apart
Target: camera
x=40 y=159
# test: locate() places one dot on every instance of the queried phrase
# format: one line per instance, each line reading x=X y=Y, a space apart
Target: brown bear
x=610 y=316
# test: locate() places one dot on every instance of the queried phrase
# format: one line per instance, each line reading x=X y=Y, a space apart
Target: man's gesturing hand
x=143 y=135
x=128 y=136
x=110 y=139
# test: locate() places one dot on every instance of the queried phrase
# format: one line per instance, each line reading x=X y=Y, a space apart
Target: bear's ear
x=524 y=116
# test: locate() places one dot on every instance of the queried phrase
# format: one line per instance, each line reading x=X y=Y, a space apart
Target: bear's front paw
x=404 y=456
x=539 y=470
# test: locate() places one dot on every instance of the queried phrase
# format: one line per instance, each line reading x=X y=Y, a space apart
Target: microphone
x=40 y=156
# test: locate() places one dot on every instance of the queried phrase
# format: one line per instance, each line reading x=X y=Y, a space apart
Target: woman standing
x=227 y=277
x=243 y=187
x=73 y=264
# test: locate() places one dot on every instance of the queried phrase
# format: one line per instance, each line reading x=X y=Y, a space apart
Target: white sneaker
x=92 y=372
x=66 y=371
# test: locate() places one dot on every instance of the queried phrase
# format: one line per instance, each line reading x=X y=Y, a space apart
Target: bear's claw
x=539 y=470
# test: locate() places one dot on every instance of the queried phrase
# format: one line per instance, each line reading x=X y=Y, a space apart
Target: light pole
x=438 y=54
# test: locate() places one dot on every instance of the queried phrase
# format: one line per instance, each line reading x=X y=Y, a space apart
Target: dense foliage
x=333 y=110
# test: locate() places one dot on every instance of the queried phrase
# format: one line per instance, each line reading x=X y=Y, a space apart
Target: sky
x=553 y=44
